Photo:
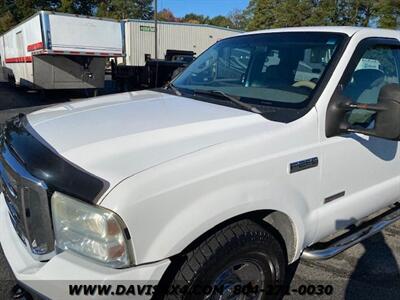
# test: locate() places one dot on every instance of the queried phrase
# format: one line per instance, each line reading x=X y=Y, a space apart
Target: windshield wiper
x=170 y=86
x=229 y=97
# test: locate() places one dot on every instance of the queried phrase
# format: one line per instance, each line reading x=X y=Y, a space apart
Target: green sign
x=147 y=28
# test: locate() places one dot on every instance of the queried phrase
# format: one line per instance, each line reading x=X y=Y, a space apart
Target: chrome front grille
x=28 y=204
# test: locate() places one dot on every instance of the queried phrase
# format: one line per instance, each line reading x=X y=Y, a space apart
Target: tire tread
x=219 y=243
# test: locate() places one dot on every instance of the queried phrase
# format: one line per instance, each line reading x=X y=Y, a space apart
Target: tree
x=6 y=21
x=166 y=15
x=325 y=13
x=66 y=6
x=221 y=21
x=388 y=12
x=85 y=7
x=286 y=13
x=262 y=14
x=125 y=9
x=195 y=19
x=239 y=19
x=12 y=12
x=293 y=13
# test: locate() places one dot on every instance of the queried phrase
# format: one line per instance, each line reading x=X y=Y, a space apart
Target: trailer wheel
x=241 y=261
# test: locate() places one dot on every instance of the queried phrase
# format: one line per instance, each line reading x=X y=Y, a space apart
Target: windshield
x=281 y=69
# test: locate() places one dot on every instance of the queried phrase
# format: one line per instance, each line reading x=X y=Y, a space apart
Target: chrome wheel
x=242 y=280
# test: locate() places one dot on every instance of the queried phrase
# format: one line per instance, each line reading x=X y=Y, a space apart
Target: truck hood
x=119 y=135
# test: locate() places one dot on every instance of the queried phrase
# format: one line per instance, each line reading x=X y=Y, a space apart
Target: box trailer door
x=86 y=35
x=21 y=53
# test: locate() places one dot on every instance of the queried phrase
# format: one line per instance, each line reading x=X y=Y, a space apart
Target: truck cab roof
x=348 y=30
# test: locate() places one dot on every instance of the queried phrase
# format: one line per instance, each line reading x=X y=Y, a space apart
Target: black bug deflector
x=44 y=163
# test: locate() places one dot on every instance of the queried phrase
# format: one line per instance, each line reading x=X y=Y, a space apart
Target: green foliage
x=236 y=19
x=125 y=9
x=195 y=19
x=166 y=15
x=388 y=12
x=221 y=21
x=6 y=21
x=287 y=13
x=239 y=19
x=13 y=12
x=85 y=7
x=262 y=14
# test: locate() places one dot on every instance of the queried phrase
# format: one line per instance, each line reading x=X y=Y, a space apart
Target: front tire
x=240 y=261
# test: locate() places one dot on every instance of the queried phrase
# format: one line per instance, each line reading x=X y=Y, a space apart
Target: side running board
x=326 y=250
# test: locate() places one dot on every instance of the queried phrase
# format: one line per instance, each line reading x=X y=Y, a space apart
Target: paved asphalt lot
x=370 y=270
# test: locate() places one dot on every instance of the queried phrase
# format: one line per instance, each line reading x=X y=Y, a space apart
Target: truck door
x=361 y=174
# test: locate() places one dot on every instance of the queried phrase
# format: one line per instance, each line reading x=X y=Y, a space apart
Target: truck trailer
x=60 y=51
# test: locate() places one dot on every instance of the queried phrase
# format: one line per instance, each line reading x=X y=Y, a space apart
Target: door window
x=378 y=66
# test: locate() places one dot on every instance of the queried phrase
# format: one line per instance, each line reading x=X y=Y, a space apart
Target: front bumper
x=53 y=279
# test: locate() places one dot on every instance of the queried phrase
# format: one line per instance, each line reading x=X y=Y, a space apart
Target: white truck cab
x=264 y=147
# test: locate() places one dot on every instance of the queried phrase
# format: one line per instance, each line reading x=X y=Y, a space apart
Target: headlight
x=91 y=231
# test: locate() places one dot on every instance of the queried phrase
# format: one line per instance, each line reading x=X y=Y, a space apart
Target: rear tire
x=240 y=261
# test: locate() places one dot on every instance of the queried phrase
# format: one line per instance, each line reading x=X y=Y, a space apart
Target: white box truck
x=60 y=51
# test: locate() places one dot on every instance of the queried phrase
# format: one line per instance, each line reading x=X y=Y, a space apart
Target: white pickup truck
x=272 y=145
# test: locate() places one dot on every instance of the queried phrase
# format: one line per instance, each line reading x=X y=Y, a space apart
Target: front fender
x=165 y=224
